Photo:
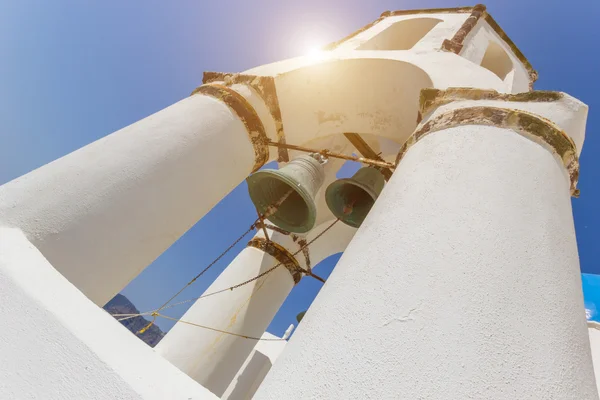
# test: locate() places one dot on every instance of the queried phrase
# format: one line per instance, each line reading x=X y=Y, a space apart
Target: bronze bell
x=351 y=199
x=299 y=180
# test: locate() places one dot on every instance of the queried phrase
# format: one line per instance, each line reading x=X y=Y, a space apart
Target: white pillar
x=462 y=283
x=594 y=333
x=212 y=358
x=101 y=214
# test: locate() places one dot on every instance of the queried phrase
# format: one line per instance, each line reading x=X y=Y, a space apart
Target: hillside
x=121 y=305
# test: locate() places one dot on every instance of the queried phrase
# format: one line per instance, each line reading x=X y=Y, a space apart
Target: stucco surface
x=213 y=358
x=594 y=332
x=255 y=368
x=463 y=282
x=57 y=345
x=348 y=89
x=476 y=43
x=568 y=113
x=103 y=213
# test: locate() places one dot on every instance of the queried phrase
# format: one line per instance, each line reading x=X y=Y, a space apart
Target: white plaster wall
x=568 y=113
x=103 y=213
x=349 y=90
x=431 y=41
x=57 y=345
x=462 y=283
x=365 y=91
x=255 y=368
x=475 y=45
x=594 y=332
x=213 y=358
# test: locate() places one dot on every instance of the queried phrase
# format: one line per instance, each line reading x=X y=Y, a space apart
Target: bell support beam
x=464 y=280
x=101 y=214
x=328 y=153
x=363 y=148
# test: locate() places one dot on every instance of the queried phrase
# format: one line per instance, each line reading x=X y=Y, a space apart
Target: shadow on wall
x=248 y=382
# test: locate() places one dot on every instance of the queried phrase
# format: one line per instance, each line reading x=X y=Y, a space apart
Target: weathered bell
x=300 y=180
x=351 y=199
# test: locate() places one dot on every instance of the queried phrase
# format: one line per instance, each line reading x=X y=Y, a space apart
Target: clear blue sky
x=74 y=71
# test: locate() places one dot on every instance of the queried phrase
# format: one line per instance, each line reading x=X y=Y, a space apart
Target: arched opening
x=366 y=95
x=496 y=60
x=402 y=35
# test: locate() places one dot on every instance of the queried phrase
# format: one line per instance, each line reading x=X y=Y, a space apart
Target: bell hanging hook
x=321 y=158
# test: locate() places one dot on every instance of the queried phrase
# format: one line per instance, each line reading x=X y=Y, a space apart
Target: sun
x=315 y=53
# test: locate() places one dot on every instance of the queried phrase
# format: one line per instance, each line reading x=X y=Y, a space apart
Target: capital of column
x=247 y=114
x=281 y=254
x=264 y=86
x=479 y=108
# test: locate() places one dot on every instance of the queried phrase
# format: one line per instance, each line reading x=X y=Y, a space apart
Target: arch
x=374 y=95
x=497 y=60
x=402 y=35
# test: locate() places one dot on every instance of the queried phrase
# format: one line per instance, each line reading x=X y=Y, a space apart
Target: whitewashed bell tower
x=462 y=281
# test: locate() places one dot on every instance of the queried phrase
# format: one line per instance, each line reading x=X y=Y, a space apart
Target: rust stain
x=455 y=44
x=281 y=254
x=516 y=120
x=265 y=87
x=324 y=118
x=244 y=110
x=379 y=121
x=432 y=98
x=233 y=319
x=386 y=14
x=302 y=243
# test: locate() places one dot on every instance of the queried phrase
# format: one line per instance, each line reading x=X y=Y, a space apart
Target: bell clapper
x=272 y=209
x=348 y=208
x=321 y=158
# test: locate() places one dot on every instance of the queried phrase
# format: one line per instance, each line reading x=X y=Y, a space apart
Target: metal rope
x=155 y=313
x=219 y=330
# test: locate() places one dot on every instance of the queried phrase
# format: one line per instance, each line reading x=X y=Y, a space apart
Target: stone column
x=464 y=281
x=101 y=214
x=213 y=358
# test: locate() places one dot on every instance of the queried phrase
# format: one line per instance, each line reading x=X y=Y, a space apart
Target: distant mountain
x=121 y=305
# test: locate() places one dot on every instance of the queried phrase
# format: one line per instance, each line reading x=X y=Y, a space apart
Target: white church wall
x=431 y=40
x=567 y=112
x=477 y=43
x=255 y=369
x=452 y=296
x=58 y=345
x=594 y=331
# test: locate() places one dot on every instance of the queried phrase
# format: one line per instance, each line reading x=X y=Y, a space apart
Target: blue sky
x=74 y=71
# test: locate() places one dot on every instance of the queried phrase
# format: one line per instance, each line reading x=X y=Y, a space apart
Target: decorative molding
x=533 y=74
x=281 y=254
x=434 y=98
x=527 y=124
x=386 y=14
x=450 y=10
x=455 y=45
x=265 y=87
x=303 y=244
x=247 y=114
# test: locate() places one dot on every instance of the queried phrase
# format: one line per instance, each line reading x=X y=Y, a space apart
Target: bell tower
x=460 y=273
